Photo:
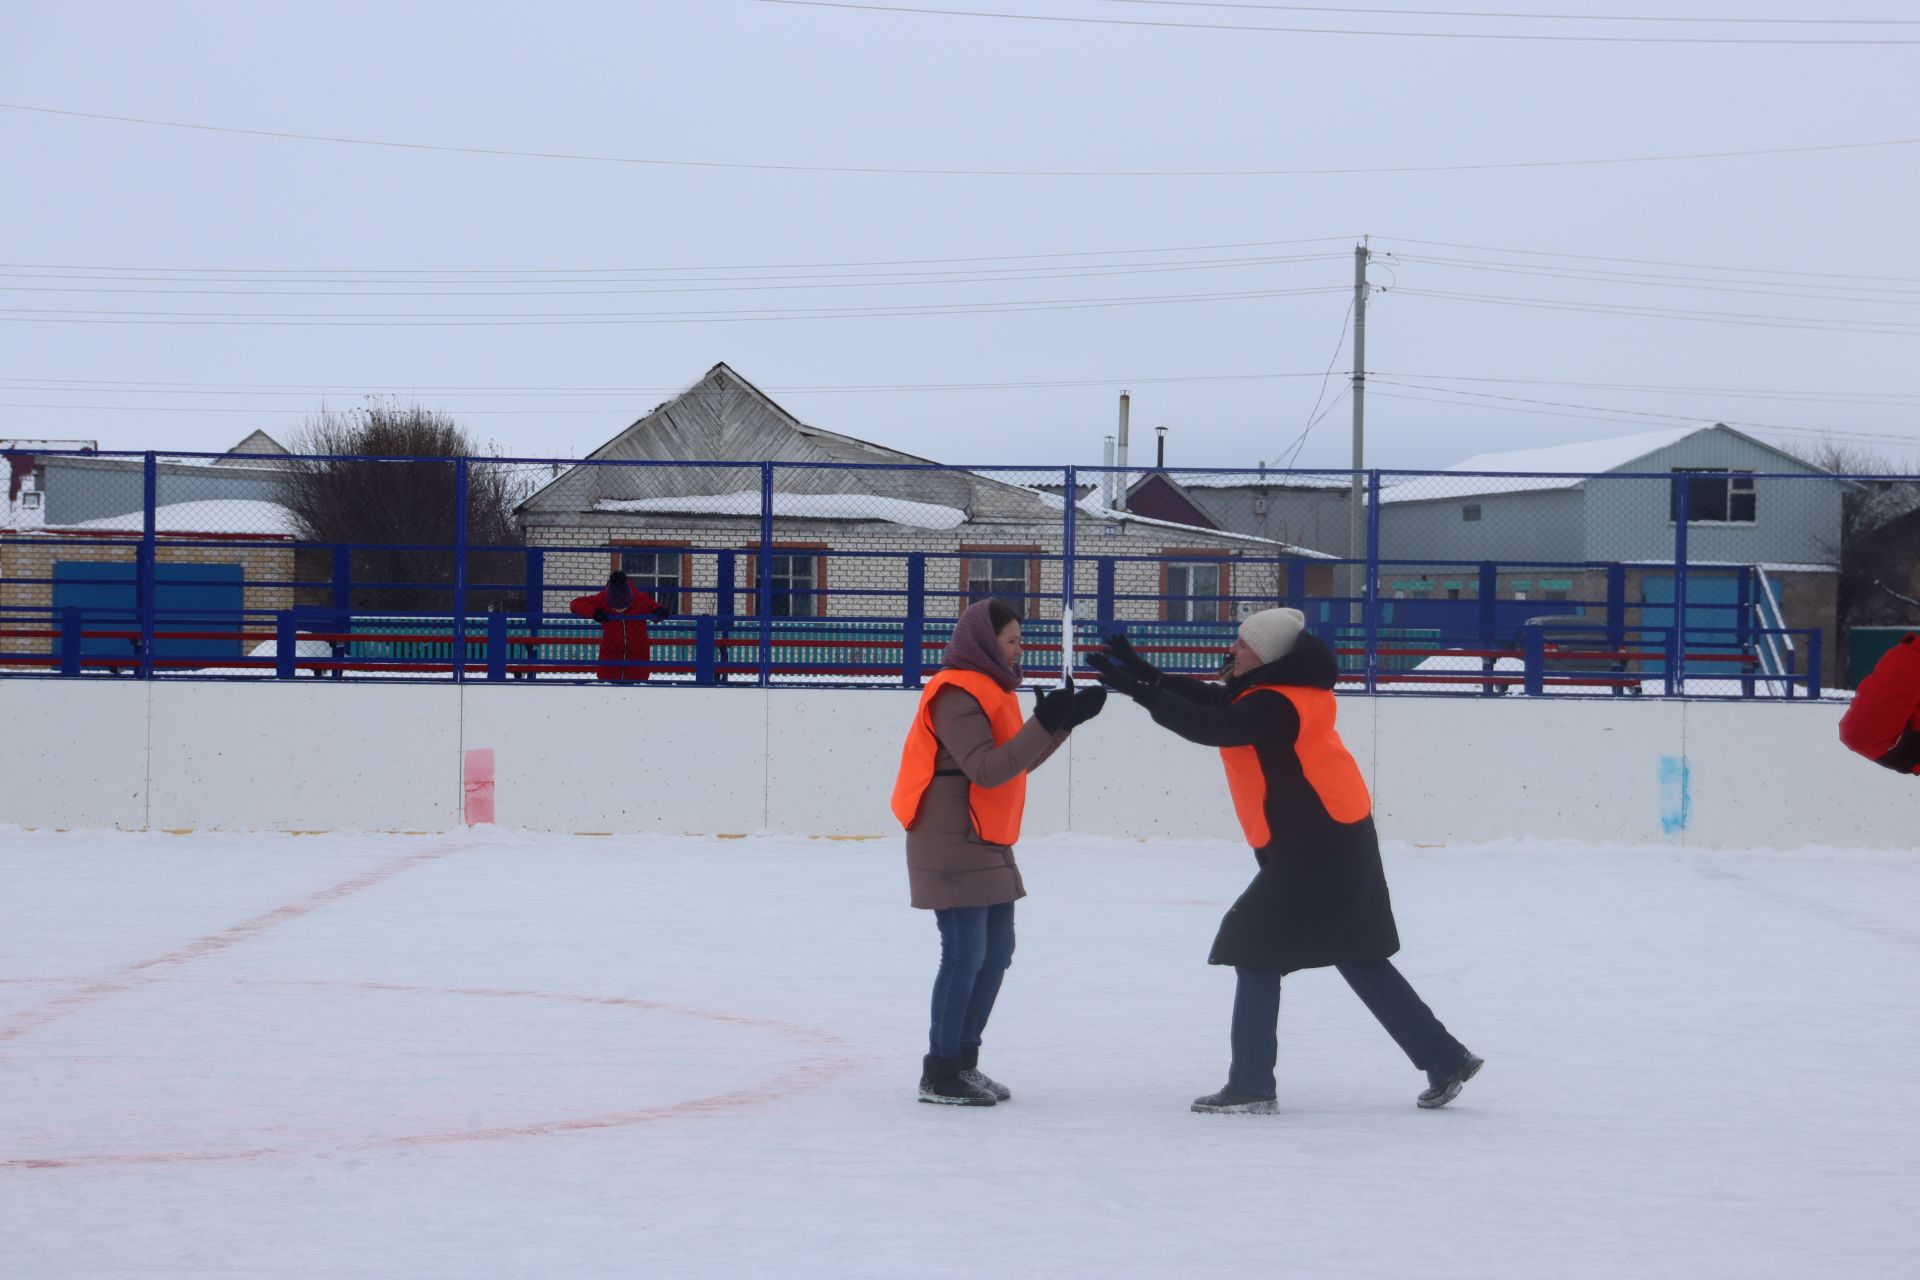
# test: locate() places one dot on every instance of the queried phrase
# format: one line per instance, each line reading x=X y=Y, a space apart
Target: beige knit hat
x=1271 y=632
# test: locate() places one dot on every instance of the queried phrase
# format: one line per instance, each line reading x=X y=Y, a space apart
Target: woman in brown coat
x=960 y=795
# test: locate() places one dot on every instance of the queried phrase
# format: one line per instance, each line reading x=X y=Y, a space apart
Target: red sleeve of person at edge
x=1883 y=724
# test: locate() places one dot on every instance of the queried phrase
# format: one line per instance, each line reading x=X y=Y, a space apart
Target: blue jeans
x=1387 y=995
x=976 y=946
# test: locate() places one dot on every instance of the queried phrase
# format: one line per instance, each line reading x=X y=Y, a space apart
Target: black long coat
x=1320 y=897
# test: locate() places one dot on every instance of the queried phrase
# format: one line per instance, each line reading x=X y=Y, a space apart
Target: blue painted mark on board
x=1676 y=795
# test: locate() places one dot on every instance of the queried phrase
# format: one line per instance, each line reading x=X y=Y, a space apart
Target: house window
x=656 y=571
x=1005 y=578
x=1192 y=592
x=796 y=578
x=1470 y=512
x=1713 y=496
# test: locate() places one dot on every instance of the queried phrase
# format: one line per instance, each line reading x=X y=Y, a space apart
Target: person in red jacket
x=622 y=614
x=1883 y=724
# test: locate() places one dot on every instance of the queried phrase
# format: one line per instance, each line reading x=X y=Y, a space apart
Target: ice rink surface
x=491 y=1055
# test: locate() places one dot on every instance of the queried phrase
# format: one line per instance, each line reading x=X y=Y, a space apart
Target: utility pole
x=1357 y=521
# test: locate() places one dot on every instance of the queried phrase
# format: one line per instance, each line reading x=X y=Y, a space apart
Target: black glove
x=1116 y=677
x=1054 y=709
x=1086 y=704
x=1138 y=667
x=601 y=615
x=661 y=611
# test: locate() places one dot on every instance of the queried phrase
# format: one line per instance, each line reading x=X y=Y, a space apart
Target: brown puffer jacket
x=947 y=864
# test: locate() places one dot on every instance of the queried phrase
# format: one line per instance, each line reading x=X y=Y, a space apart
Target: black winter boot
x=1444 y=1086
x=970 y=1072
x=941 y=1081
x=1230 y=1101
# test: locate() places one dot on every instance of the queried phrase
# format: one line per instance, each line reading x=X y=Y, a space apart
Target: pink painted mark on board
x=477 y=781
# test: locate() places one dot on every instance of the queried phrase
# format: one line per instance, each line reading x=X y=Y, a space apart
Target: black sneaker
x=941 y=1081
x=1443 y=1089
x=1231 y=1102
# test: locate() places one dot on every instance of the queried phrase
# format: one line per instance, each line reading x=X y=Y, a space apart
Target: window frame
x=1730 y=478
x=818 y=550
x=1029 y=603
x=1209 y=557
x=619 y=547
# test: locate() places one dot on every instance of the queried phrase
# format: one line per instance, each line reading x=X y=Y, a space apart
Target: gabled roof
x=258 y=444
x=1567 y=465
x=725 y=418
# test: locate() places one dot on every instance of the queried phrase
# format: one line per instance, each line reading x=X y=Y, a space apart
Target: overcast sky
x=425 y=265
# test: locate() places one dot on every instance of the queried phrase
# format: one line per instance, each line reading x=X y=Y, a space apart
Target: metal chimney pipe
x=1120 y=455
x=1106 y=477
x=1160 y=460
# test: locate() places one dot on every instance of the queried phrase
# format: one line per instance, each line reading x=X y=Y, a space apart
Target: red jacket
x=1883 y=724
x=623 y=635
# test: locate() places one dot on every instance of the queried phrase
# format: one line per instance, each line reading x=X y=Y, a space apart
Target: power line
x=1865 y=398
x=1812 y=293
x=1314 y=414
x=1533 y=17
x=1333 y=31
x=1809 y=323
x=962 y=173
x=1606 y=413
x=271 y=319
x=695 y=285
x=613 y=271
x=1652 y=262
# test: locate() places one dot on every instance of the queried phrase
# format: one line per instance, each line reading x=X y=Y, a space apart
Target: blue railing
x=1416 y=624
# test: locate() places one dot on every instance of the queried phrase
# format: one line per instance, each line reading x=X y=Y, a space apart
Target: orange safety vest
x=1329 y=766
x=995 y=810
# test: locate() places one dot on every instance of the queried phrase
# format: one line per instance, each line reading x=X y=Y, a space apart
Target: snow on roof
x=1341 y=480
x=213 y=515
x=798 y=506
x=1091 y=505
x=1582 y=459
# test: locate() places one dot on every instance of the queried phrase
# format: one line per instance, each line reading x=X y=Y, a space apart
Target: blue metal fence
x=146 y=598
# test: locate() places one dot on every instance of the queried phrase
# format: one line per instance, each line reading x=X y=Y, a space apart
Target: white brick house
x=849 y=517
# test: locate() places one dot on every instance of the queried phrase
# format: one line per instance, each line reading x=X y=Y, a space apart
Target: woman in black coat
x=1320 y=896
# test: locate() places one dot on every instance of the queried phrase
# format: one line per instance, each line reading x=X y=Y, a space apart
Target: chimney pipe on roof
x=1106 y=477
x=1160 y=461
x=1120 y=455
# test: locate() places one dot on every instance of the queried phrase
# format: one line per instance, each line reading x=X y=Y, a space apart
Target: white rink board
x=297 y=756
x=584 y=759
x=304 y=756
x=73 y=754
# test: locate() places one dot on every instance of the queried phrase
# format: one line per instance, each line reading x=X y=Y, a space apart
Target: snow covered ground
x=490 y=1055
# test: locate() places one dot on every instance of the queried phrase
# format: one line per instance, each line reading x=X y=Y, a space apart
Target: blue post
x=703 y=649
x=765 y=593
x=460 y=570
x=1533 y=656
x=496 y=645
x=724 y=607
x=536 y=589
x=286 y=645
x=1297 y=585
x=1616 y=605
x=1677 y=678
x=1813 y=664
x=343 y=579
x=150 y=502
x=1104 y=606
x=1743 y=630
x=1487 y=597
x=70 y=641
x=913 y=630
x=1371 y=613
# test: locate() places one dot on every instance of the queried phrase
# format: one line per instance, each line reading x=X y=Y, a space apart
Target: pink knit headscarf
x=974 y=647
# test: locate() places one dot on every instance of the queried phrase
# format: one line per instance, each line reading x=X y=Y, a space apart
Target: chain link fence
x=1717 y=578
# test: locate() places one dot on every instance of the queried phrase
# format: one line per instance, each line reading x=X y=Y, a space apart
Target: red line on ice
x=129 y=976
